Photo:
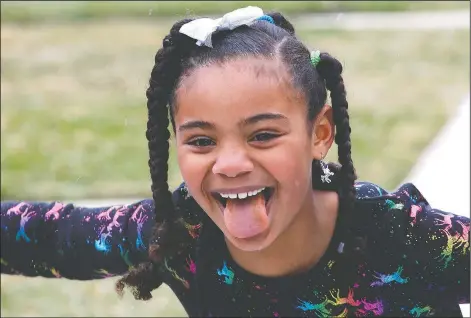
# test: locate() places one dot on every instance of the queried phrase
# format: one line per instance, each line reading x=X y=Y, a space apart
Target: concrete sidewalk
x=442 y=173
x=433 y=20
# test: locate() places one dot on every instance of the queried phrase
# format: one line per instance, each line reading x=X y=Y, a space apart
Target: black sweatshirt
x=414 y=259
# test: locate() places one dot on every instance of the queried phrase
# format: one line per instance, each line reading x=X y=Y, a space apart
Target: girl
x=261 y=225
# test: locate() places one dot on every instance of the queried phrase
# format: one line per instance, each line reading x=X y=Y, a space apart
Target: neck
x=301 y=245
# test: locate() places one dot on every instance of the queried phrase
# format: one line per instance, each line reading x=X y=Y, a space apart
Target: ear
x=323 y=133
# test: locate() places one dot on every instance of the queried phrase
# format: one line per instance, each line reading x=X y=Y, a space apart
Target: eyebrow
x=195 y=124
x=259 y=117
x=244 y=122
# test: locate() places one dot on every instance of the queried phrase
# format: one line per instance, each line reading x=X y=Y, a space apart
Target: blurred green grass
x=73 y=119
x=47 y=11
x=44 y=297
x=73 y=103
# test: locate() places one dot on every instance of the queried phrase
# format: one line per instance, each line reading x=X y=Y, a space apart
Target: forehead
x=236 y=89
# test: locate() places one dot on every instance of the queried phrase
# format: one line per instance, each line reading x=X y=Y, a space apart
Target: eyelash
x=268 y=137
x=194 y=141
x=265 y=133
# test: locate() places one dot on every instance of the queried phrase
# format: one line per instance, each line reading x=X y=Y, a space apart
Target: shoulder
x=369 y=190
x=404 y=215
x=403 y=198
x=388 y=215
x=380 y=201
x=402 y=229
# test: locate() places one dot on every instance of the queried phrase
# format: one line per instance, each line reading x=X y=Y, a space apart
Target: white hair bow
x=202 y=29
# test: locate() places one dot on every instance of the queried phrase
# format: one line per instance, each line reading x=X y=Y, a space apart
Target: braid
x=330 y=69
x=161 y=84
x=168 y=233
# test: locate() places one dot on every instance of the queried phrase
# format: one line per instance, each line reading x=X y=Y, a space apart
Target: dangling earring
x=326 y=173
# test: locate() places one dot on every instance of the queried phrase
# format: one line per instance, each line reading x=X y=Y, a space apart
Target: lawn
x=47 y=11
x=73 y=116
x=73 y=103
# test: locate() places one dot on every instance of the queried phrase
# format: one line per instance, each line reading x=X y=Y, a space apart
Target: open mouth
x=267 y=193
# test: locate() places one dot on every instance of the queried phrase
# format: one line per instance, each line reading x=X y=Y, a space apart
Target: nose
x=232 y=163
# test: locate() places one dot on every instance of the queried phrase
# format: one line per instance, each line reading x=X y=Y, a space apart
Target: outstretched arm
x=58 y=240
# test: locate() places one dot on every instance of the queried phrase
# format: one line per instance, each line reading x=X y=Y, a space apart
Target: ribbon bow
x=202 y=29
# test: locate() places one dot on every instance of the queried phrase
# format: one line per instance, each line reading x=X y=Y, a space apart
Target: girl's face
x=240 y=127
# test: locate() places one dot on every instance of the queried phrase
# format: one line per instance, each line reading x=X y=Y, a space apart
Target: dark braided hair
x=169 y=229
x=175 y=61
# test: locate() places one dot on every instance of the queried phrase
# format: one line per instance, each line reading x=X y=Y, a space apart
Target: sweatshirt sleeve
x=62 y=240
x=440 y=241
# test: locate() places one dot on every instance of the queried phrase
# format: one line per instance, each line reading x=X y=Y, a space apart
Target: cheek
x=193 y=169
x=291 y=165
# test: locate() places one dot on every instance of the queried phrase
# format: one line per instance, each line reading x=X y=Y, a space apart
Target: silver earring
x=326 y=173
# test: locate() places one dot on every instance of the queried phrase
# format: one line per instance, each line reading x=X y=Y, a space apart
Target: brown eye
x=201 y=142
x=264 y=136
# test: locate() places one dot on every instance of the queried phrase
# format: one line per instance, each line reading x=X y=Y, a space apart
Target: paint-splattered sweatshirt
x=415 y=259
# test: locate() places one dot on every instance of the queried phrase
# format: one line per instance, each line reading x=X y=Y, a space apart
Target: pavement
x=442 y=172
x=433 y=20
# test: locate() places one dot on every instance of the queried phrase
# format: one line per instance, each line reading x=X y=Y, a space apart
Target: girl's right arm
x=57 y=240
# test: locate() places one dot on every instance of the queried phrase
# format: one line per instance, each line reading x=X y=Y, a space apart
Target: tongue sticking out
x=246 y=217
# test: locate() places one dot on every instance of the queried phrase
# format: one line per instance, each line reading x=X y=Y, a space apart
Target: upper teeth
x=241 y=195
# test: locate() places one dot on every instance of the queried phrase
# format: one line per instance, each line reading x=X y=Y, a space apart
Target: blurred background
x=73 y=107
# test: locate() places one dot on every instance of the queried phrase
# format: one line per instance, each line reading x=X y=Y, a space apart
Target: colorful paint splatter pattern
x=417 y=260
